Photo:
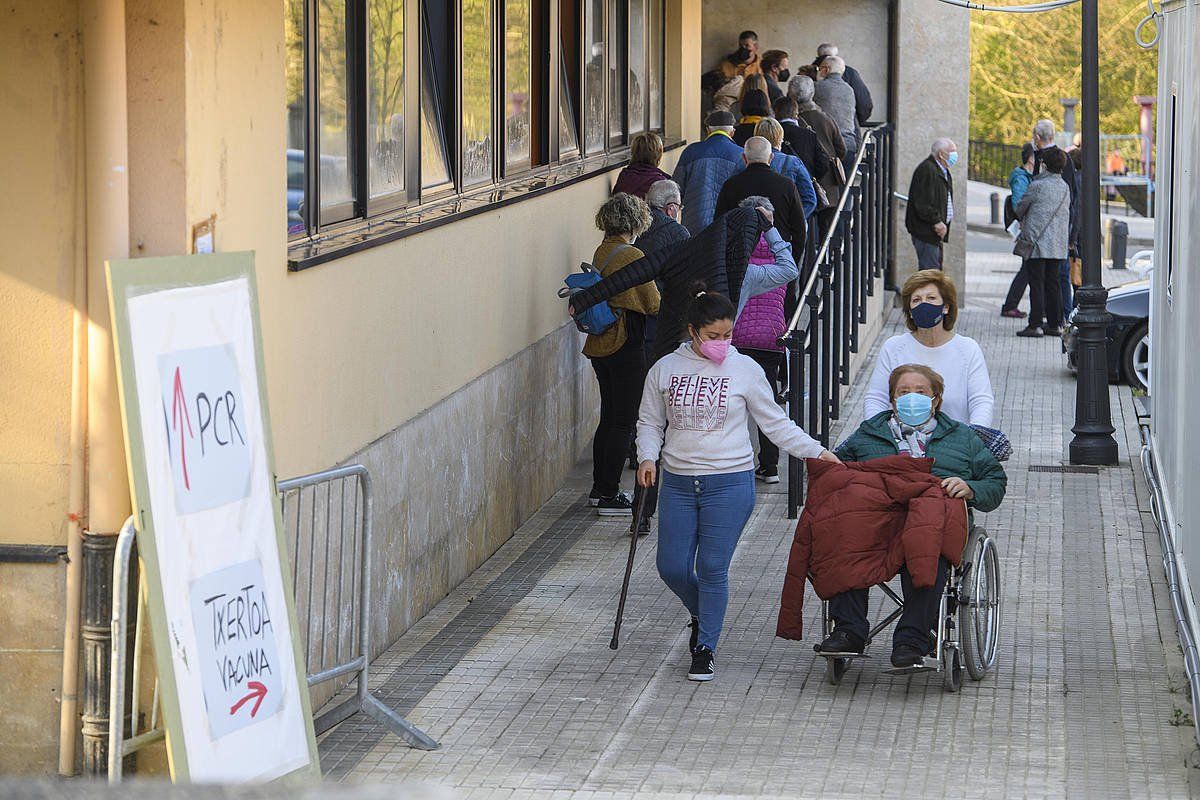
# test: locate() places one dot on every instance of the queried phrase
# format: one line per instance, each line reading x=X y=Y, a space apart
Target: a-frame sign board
x=198 y=439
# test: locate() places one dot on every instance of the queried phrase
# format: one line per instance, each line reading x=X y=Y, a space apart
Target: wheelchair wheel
x=835 y=669
x=979 y=609
x=952 y=669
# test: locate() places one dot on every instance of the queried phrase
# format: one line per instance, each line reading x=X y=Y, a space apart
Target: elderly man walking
x=931 y=204
x=836 y=98
x=704 y=167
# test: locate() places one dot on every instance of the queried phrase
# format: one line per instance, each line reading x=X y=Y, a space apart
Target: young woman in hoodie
x=705 y=390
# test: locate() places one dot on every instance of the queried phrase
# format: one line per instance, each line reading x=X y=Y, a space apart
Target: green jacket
x=956 y=450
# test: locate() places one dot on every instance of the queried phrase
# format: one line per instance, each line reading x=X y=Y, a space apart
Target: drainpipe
x=107 y=216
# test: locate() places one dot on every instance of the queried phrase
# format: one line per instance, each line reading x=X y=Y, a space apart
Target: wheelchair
x=968 y=628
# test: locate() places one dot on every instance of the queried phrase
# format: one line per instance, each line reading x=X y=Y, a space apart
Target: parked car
x=1128 y=335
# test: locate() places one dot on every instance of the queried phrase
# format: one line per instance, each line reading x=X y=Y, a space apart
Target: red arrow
x=179 y=413
x=257 y=690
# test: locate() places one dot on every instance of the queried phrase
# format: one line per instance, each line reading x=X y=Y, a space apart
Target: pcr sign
x=218 y=589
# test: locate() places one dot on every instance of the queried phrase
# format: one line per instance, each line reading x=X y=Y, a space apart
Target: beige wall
x=40 y=223
x=932 y=103
x=858 y=27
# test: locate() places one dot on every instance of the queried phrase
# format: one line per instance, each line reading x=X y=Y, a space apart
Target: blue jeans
x=700 y=520
x=1065 y=288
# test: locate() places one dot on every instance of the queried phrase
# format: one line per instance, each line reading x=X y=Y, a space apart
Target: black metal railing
x=991 y=162
x=824 y=333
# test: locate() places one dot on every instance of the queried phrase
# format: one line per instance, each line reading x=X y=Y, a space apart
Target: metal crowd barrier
x=825 y=329
x=327 y=516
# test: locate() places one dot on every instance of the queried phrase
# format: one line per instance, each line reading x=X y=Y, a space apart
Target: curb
x=1132 y=244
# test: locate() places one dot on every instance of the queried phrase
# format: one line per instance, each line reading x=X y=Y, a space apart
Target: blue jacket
x=1018 y=182
x=702 y=170
x=792 y=167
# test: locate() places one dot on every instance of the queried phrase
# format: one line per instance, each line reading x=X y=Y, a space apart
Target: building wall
x=40 y=221
x=932 y=103
x=1175 y=306
x=857 y=27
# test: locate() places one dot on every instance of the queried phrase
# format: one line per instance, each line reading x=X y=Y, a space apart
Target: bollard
x=996 y=219
x=1118 y=242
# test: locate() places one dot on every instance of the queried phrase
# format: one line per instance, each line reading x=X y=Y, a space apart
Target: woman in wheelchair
x=915 y=426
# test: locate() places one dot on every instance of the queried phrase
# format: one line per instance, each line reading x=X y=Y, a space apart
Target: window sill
x=387 y=228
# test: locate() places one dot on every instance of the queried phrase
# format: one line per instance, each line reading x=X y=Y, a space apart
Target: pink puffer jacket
x=762 y=321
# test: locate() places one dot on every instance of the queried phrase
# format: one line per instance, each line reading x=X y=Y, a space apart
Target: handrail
x=868 y=135
x=824 y=332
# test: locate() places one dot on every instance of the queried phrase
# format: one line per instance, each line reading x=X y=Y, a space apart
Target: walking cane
x=633 y=538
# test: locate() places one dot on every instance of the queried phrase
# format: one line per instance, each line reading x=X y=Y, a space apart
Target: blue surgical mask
x=927 y=315
x=914 y=409
x=952 y=159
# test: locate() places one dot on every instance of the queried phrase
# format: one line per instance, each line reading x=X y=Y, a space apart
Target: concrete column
x=1069 y=104
x=933 y=103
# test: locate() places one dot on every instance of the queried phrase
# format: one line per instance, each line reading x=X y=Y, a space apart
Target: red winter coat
x=861 y=523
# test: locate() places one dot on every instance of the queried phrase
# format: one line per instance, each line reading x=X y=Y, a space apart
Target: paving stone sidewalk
x=513 y=674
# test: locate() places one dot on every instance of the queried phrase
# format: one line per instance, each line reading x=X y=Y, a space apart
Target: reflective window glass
x=334 y=79
x=637 y=65
x=654 y=69
x=293 y=12
x=476 y=91
x=385 y=96
x=517 y=64
x=616 y=69
x=594 y=122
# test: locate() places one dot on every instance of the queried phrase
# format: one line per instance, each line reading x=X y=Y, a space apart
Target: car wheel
x=1135 y=357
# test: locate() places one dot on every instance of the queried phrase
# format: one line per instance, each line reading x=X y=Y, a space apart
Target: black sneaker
x=616 y=506
x=593 y=498
x=702 y=665
x=1052 y=331
x=643 y=527
x=841 y=641
x=1031 y=332
x=767 y=474
x=905 y=655
x=694 y=639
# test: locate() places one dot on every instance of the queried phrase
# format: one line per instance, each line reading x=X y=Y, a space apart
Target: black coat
x=863 y=105
x=663 y=232
x=760 y=179
x=716 y=255
x=802 y=142
x=927 y=198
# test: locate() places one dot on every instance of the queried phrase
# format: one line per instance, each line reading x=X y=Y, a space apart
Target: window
x=637 y=66
x=393 y=103
x=476 y=92
x=518 y=35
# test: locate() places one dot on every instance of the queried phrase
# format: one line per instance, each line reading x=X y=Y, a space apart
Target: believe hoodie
x=702 y=406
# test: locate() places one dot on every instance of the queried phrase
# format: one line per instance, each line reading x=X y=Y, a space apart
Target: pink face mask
x=715 y=350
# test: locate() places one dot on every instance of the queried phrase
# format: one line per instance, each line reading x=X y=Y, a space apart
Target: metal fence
x=991 y=162
x=327 y=519
x=824 y=332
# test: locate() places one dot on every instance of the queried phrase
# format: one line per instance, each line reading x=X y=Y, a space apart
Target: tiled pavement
x=512 y=671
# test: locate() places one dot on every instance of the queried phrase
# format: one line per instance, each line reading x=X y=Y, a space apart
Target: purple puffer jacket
x=762 y=321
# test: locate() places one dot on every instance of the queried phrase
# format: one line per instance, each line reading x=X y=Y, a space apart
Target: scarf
x=912 y=441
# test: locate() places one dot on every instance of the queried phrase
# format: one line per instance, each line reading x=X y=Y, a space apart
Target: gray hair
x=827 y=49
x=757 y=201
x=801 y=88
x=835 y=64
x=663 y=192
x=623 y=214
x=940 y=146
x=1044 y=130
x=757 y=150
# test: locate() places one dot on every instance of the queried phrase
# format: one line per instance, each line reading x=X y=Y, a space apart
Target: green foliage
x=1022 y=64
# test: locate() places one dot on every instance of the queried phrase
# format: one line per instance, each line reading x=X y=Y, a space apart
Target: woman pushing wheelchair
x=902 y=503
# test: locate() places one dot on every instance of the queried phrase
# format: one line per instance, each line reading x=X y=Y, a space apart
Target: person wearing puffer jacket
x=703 y=168
x=760 y=323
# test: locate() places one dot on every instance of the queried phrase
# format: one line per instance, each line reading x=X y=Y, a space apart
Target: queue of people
x=697 y=270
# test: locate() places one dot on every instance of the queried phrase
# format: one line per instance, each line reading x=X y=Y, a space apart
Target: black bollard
x=996 y=218
x=1118 y=243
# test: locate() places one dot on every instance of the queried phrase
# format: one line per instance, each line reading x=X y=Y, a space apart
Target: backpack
x=1010 y=213
x=601 y=317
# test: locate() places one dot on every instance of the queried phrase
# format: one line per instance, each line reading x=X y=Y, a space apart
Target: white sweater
x=968 y=397
x=706 y=405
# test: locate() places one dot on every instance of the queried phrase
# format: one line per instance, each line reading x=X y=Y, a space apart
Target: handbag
x=995 y=441
x=1076 y=272
x=1025 y=245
